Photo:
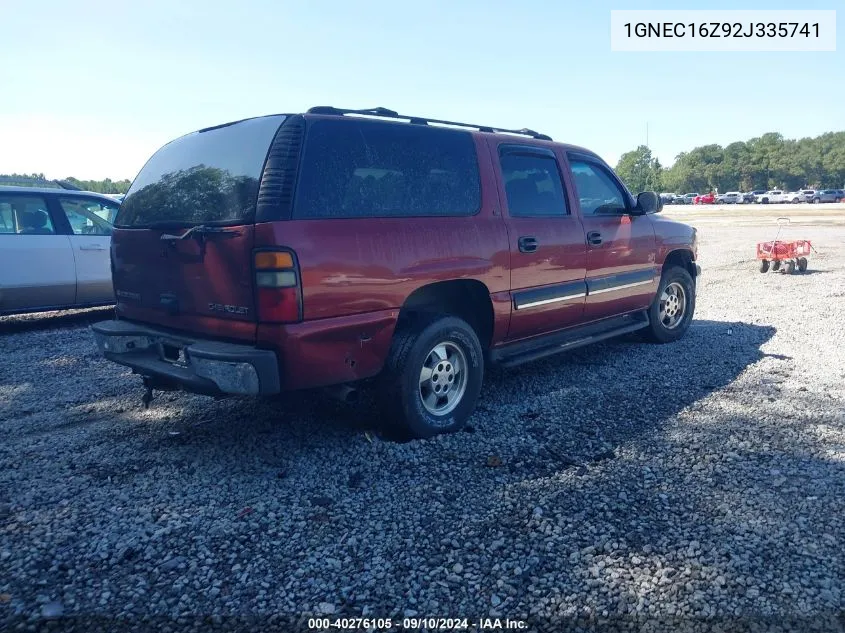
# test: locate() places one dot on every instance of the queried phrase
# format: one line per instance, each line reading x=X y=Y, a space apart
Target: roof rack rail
x=416 y=120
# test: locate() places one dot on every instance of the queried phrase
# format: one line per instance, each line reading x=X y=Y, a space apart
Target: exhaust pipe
x=344 y=393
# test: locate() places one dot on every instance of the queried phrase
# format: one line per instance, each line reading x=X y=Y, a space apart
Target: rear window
x=359 y=168
x=208 y=177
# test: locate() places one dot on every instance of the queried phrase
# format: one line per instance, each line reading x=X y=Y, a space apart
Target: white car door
x=36 y=261
x=90 y=238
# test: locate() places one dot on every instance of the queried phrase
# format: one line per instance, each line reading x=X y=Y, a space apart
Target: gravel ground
x=693 y=485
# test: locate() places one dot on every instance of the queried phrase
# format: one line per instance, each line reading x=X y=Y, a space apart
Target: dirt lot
x=698 y=484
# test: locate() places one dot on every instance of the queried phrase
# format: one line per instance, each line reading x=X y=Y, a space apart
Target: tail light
x=278 y=293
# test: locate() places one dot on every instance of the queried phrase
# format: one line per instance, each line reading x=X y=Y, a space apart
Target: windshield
x=204 y=177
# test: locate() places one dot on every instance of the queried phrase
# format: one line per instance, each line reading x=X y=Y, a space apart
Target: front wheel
x=764 y=265
x=671 y=311
x=433 y=376
x=802 y=264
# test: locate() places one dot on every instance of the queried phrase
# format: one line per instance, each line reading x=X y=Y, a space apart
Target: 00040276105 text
x=416 y=623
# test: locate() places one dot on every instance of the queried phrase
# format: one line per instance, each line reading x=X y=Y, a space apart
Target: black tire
x=816 y=200
x=776 y=265
x=657 y=331
x=399 y=386
x=789 y=267
x=802 y=264
x=837 y=200
x=764 y=265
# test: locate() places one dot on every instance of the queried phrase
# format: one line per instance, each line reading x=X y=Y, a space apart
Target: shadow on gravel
x=539 y=419
x=18 y=323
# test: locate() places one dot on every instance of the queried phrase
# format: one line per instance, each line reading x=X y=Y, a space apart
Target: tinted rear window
x=203 y=177
x=358 y=168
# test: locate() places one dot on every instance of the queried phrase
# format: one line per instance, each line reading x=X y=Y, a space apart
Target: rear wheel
x=764 y=265
x=776 y=265
x=671 y=311
x=789 y=267
x=433 y=376
x=802 y=264
x=816 y=200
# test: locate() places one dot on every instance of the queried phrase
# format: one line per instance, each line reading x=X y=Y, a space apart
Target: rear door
x=90 y=238
x=621 y=249
x=183 y=240
x=547 y=249
x=36 y=262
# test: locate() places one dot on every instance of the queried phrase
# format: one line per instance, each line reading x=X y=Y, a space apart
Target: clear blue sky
x=90 y=89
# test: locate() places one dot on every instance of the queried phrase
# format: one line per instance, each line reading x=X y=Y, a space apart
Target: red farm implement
x=787 y=255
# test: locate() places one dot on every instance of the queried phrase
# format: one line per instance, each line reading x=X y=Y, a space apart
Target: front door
x=90 y=236
x=621 y=272
x=548 y=256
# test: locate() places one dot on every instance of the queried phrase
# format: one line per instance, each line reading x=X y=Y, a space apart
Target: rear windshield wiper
x=200 y=231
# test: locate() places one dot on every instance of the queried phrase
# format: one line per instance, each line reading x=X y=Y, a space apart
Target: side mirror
x=648 y=202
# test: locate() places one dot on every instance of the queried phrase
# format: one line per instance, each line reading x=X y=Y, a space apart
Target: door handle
x=527 y=244
x=594 y=238
x=92 y=247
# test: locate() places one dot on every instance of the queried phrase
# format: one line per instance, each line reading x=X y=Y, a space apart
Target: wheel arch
x=682 y=257
x=468 y=299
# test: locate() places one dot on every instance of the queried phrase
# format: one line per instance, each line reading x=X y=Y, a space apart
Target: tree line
x=765 y=162
x=106 y=185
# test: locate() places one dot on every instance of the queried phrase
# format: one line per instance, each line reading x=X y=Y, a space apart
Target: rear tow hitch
x=147 y=398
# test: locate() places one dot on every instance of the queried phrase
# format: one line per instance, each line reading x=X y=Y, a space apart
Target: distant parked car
x=775 y=196
x=687 y=198
x=668 y=198
x=828 y=195
x=707 y=198
x=54 y=249
x=731 y=197
x=751 y=196
x=795 y=197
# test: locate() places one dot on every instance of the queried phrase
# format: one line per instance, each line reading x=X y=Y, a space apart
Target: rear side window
x=205 y=177
x=25 y=215
x=532 y=183
x=358 y=168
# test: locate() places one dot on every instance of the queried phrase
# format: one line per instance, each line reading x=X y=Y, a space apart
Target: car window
x=598 y=192
x=359 y=168
x=532 y=184
x=88 y=217
x=25 y=215
x=209 y=176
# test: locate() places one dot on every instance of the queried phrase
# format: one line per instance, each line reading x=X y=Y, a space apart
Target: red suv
x=322 y=249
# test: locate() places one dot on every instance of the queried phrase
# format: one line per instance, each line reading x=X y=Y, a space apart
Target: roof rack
x=415 y=120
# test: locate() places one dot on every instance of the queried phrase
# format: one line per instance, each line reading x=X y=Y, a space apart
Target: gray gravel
x=695 y=484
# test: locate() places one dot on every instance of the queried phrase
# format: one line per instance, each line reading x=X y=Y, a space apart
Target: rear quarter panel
x=357 y=273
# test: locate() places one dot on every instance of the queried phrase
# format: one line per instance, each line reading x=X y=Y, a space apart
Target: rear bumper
x=193 y=364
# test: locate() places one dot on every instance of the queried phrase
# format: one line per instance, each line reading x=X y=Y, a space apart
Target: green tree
x=640 y=171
